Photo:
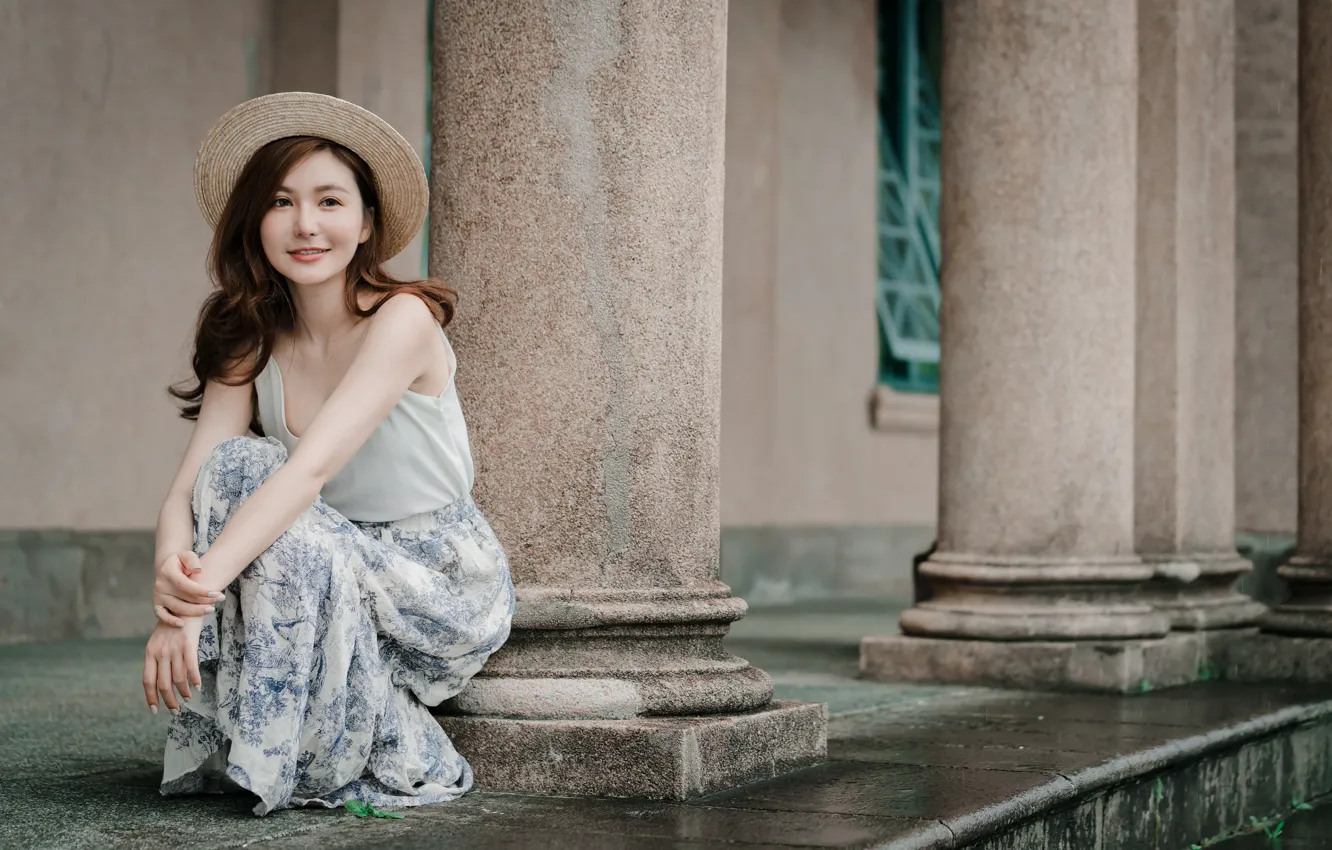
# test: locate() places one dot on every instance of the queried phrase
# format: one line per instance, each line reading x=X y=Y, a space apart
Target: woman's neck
x=321 y=313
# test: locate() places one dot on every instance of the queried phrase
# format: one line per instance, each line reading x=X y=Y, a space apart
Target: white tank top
x=417 y=460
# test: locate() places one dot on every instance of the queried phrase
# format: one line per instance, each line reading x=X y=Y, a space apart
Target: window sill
x=894 y=412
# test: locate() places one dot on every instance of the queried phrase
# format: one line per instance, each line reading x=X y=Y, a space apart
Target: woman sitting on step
x=320 y=585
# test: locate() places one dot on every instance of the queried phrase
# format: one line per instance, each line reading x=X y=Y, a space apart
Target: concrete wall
x=815 y=501
x=105 y=104
x=382 y=51
x=369 y=52
x=749 y=260
x=799 y=345
x=103 y=242
x=1266 y=416
x=118 y=95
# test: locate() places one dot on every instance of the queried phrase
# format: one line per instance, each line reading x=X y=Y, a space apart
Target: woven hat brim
x=400 y=180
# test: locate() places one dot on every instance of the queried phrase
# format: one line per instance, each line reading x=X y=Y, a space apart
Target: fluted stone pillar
x=1185 y=416
x=577 y=206
x=1309 y=572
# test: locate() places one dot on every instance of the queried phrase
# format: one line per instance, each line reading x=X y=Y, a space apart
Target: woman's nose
x=305 y=220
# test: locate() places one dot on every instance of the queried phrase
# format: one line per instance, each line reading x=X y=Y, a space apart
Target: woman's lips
x=307 y=255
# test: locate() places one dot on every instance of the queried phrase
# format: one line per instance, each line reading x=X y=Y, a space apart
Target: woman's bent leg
x=298 y=703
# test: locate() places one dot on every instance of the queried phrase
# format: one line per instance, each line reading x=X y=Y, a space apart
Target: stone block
x=875 y=561
x=1074 y=828
x=40 y=586
x=57 y=584
x=1279 y=658
x=1123 y=667
x=659 y=758
x=118 y=583
x=779 y=565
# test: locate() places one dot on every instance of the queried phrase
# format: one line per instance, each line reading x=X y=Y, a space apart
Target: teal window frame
x=908 y=295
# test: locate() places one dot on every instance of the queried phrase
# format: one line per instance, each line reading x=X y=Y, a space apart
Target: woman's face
x=316 y=222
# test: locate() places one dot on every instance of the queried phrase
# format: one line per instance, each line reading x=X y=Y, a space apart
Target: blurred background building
x=830 y=414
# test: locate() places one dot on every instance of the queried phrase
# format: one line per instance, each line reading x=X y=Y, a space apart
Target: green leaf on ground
x=357 y=808
x=377 y=813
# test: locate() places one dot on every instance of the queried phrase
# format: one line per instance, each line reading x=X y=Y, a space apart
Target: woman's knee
x=237 y=466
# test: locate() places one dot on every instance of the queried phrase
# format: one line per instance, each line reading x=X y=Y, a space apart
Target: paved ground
x=79 y=760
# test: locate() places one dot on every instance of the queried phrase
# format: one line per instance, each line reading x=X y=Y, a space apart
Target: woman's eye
x=282 y=202
x=331 y=201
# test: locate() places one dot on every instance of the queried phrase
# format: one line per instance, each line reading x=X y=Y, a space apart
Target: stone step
x=1012 y=770
x=909 y=766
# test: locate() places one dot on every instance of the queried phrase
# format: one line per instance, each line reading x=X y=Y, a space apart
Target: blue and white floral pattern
x=321 y=658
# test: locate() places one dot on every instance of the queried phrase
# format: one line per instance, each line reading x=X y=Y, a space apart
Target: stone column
x=1309 y=572
x=1037 y=319
x=577 y=206
x=1035 y=555
x=1185 y=435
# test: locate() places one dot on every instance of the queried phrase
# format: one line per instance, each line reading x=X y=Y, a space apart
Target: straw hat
x=400 y=179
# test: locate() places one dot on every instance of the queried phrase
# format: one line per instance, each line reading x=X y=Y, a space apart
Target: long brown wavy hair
x=251 y=301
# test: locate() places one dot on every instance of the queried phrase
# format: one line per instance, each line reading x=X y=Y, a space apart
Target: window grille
x=907 y=299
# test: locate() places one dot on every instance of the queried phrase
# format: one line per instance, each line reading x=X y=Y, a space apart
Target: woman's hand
x=176 y=594
x=171 y=663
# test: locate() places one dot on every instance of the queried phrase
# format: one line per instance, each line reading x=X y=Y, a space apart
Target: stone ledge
x=1177 y=795
x=895 y=412
x=1120 y=667
x=656 y=758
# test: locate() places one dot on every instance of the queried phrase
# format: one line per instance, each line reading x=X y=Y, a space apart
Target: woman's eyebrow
x=328 y=187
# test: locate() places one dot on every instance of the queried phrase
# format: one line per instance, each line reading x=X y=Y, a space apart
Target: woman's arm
x=396 y=351
x=225 y=412
x=171 y=658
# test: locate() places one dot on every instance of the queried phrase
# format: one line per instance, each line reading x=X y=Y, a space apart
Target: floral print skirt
x=320 y=660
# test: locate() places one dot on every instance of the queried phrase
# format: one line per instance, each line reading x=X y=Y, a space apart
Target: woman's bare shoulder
x=406 y=312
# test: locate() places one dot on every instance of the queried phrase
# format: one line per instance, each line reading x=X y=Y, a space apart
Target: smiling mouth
x=308 y=252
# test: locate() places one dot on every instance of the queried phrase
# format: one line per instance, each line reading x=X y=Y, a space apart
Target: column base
x=1298 y=620
x=1120 y=667
x=1197 y=591
x=1280 y=658
x=1011 y=598
x=1309 y=610
x=613 y=654
x=657 y=758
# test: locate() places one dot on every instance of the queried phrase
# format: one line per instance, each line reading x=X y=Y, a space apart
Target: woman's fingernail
x=213 y=594
x=176 y=711
x=210 y=609
x=154 y=708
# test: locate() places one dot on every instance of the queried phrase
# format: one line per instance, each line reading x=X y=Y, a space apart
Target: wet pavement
x=909 y=765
